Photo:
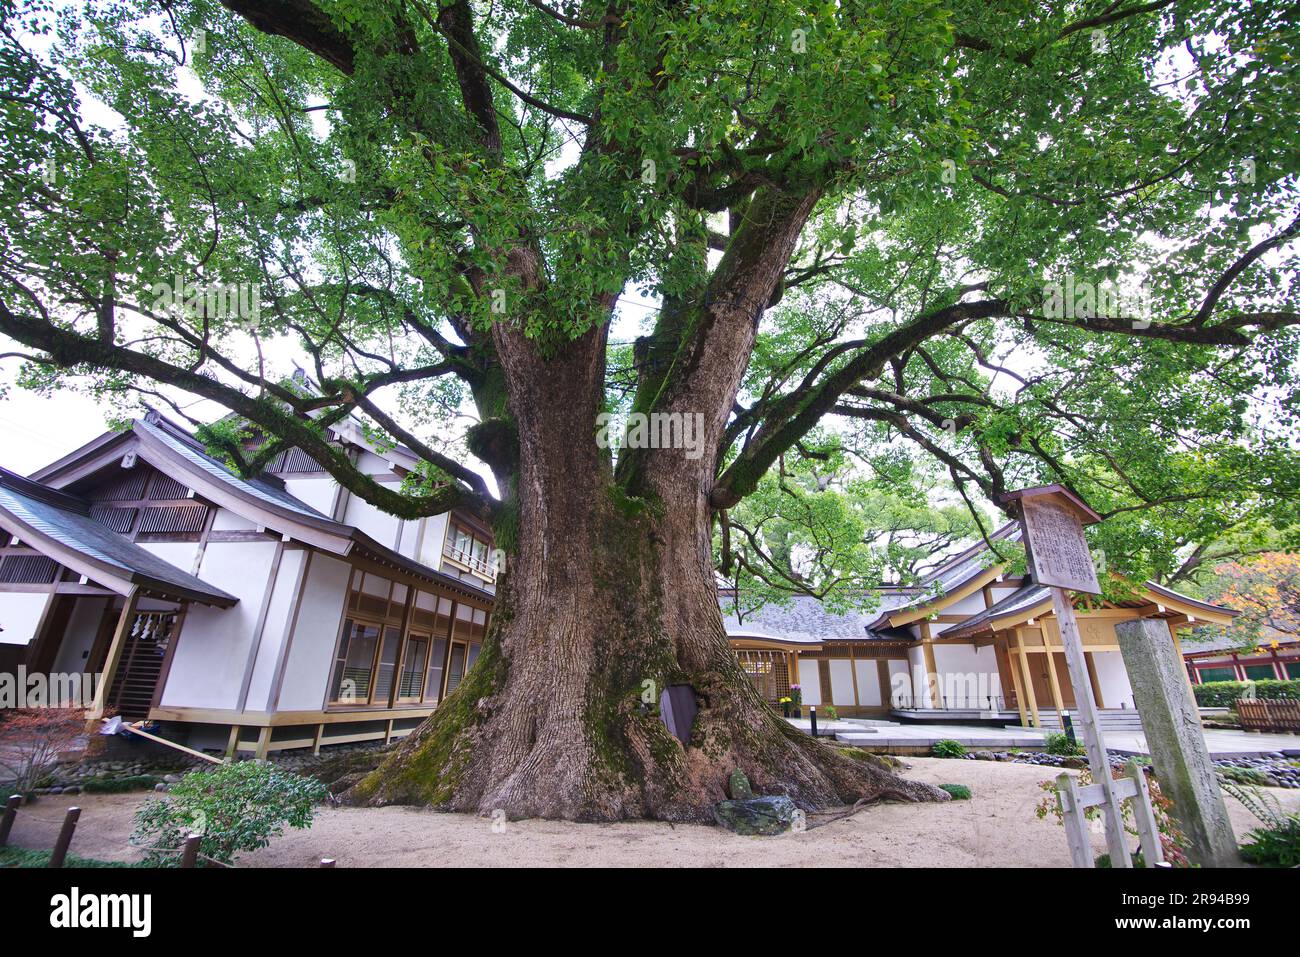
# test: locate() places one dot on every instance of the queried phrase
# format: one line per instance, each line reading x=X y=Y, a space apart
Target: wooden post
x=1182 y=663
x=115 y=650
x=65 y=837
x=1014 y=667
x=1028 y=678
x=1148 y=830
x=1075 y=819
x=7 y=822
x=263 y=743
x=1091 y=662
x=190 y=854
x=1054 y=680
x=232 y=743
x=315 y=744
x=1086 y=710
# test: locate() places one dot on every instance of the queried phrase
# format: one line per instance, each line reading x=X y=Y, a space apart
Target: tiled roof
x=804 y=619
x=64 y=521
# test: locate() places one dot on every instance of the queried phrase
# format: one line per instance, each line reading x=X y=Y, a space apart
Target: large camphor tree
x=885 y=221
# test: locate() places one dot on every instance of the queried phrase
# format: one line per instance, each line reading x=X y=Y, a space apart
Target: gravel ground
x=997 y=828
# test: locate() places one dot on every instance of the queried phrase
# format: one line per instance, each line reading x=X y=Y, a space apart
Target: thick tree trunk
x=607 y=600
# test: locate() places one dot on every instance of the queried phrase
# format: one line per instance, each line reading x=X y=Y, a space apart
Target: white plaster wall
x=311 y=652
x=435 y=533
x=810 y=686
x=228 y=521
x=371 y=464
x=20 y=614
x=179 y=554
x=899 y=677
x=1116 y=691
x=208 y=666
x=868 y=683
x=316 y=492
x=970 y=605
x=842 y=681
x=968 y=675
x=380 y=526
x=276 y=629
x=83 y=625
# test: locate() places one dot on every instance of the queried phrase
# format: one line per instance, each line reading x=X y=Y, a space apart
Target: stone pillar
x=1172 y=725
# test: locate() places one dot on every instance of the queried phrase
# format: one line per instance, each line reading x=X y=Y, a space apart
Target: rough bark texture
x=606 y=595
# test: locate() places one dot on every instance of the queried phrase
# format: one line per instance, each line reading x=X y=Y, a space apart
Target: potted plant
x=785 y=702
x=796 y=699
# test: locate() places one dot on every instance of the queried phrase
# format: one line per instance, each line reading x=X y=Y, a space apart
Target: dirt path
x=997 y=828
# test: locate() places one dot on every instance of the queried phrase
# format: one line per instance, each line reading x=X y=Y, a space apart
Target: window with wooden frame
x=471 y=549
x=365 y=664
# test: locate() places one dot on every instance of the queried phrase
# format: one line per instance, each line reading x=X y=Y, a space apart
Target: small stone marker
x=1172 y=725
x=738 y=786
x=756 y=817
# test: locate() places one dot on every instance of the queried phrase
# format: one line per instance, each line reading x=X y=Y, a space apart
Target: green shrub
x=135 y=782
x=1277 y=842
x=829 y=713
x=1245 y=775
x=959 y=792
x=1277 y=846
x=1221 y=694
x=235 y=807
x=1059 y=743
x=947 y=748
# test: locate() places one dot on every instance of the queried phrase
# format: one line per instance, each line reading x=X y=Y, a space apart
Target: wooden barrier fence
x=1268 y=715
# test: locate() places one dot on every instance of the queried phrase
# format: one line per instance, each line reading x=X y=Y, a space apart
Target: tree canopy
x=1032 y=241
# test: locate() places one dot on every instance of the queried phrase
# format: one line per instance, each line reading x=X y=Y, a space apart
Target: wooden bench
x=1268 y=715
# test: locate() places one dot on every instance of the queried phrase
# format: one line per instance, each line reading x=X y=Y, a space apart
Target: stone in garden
x=160 y=786
x=738 y=786
x=761 y=816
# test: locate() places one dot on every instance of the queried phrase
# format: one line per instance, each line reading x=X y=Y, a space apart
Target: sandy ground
x=996 y=828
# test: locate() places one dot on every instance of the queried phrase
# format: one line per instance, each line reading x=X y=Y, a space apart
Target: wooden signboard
x=1054 y=539
x=1051 y=521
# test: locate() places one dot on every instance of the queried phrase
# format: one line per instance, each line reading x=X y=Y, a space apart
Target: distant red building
x=1222 y=659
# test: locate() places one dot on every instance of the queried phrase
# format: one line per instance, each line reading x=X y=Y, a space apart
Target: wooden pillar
x=1182 y=663
x=1092 y=678
x=1054 y=679
x=1015 y=682
x=115 y=649
x=931 y=669
x=315 y=744
x=853 y=673
x=263 y=742
x=886 y=688
x=1027 y=677
x=232 y=743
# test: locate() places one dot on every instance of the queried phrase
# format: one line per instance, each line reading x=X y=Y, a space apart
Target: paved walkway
x=888 y=734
